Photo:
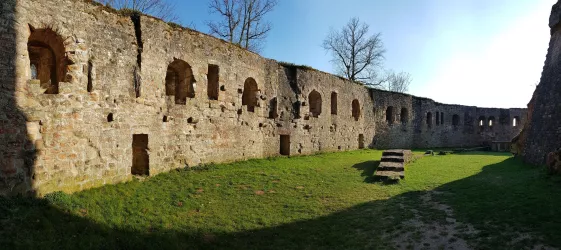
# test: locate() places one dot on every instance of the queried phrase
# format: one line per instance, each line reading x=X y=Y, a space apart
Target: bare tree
x=159 y=8
x=242 y=21
x=356 y=55
x=398 y=82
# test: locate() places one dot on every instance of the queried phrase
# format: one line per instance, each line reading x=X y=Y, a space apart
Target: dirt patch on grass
x=433 y=226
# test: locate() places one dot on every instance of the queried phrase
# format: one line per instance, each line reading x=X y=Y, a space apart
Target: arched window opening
x=33 y=71
x=249 y=96
x=179 y=81
x=441 y=118
x=356 y=109
x=47 y=57
x=110 y=117
x=491 y=122
x=404 y=116
x=455 y=120
x=515 y=121
x=333 y=103
x=481 y=123
x=429 y=119
x=437 y=118
x=389 y=115
x=314 y=98
x=213 y=81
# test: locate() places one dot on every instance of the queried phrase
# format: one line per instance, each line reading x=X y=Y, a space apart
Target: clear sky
x=487 y=53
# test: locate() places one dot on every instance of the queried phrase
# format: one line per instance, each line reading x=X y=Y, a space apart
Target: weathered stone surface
x=110 y=77
x=541 y=135
x=553 y=162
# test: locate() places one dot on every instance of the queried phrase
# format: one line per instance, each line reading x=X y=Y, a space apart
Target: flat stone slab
x=393 y=166
x=400 y=174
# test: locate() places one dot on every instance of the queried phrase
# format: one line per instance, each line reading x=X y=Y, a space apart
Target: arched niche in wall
x=389 y=115
x=404 y=116
x=249 y=96
x=314 y=99
x=179 y=81
x=356 y=109
x=47 y=58
x=333 y=103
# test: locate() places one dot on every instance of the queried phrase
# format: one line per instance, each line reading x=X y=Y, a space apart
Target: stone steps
x=392 y=164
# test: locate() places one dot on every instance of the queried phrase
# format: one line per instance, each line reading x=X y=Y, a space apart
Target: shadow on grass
x=503 y=200
x=368 y=168
x=506 y=199
x=36 y=224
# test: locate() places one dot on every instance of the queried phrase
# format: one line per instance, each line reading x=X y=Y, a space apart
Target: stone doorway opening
x=285 y=144
x=140 y=158
x=361 y=141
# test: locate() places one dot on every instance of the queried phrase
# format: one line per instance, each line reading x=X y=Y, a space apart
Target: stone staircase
x=392 y=164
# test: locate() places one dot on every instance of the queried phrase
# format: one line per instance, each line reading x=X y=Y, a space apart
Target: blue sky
x=487 y=53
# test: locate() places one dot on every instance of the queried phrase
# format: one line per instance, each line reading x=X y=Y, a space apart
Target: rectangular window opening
x=213 y=81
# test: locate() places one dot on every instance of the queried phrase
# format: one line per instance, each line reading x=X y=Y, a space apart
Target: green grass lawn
x=326 y=201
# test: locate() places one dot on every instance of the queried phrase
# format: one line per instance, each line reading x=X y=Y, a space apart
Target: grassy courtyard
x=329 y=201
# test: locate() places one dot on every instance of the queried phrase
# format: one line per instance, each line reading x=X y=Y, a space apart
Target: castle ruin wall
x=91 y=97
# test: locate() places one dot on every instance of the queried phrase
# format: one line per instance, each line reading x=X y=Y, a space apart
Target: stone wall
x=110 y=95
x=542 y=132
x=429 y=124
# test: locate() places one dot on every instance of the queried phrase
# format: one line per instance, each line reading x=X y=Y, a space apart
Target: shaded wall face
x=541 y=134
x=17 y=143
x=430 y=124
